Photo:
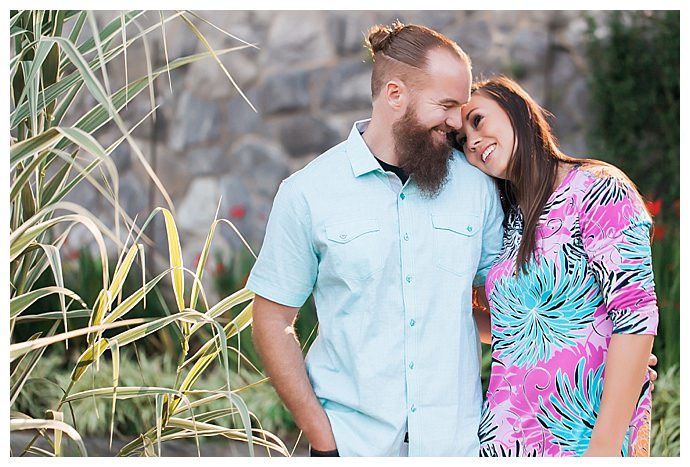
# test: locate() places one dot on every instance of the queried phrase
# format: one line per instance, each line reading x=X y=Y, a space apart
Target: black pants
x=314 y=453
x=334 y=453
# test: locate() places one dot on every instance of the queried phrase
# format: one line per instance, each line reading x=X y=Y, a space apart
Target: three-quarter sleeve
x=286 y=268
x=615 y=229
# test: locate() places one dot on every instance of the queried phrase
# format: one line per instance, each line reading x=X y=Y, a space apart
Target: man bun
x=379 y=37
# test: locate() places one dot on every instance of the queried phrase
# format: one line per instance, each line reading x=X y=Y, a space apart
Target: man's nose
x=454 y=119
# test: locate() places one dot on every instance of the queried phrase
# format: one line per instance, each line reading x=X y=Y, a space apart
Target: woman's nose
x=473 y=142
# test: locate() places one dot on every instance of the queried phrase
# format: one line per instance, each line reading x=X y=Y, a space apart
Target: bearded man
x=390 y=230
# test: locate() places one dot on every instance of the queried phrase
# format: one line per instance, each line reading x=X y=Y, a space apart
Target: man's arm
x=279 y=350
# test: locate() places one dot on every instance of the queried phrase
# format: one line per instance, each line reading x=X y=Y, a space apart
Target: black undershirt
x=391 y=168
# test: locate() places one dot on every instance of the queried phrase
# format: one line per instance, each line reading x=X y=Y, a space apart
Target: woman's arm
x=482 y=316
x=626 y=365
x=615 y=231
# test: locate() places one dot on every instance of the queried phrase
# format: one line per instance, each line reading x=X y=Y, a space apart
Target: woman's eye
x=476 y=120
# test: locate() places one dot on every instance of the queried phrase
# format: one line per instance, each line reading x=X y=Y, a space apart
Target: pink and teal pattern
x=591 y=277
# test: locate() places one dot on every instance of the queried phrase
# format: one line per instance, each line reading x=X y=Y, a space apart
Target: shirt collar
x=361 y=158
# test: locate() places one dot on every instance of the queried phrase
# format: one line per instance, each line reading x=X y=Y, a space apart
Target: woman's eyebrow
x=467 y=117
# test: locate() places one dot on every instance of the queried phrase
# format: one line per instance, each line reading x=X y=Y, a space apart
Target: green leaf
x=21 y=348
x=175 y=253
x=27 y=365
x=22 y=302
x=36 y=424
x=27 y=148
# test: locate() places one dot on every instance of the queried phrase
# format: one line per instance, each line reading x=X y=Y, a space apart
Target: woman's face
x=487 y=137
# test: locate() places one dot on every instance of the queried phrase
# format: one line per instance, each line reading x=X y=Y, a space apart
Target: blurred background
x=252 y=97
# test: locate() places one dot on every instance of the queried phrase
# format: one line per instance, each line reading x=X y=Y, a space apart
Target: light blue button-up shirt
x=392 y=274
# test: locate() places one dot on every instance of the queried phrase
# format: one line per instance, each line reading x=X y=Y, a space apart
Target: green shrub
x=634 y=86
x=665 y=437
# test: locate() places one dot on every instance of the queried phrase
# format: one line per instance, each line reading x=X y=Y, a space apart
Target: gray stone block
x=347 y=87
x=262 y=164
x=348 y=31
x=284 y=92
x=198 y=207
x=208 y=161
x=134 y=196
x=304 y=134
x=241 y=119
x=474 y=36
x=122 y=157
x=297 y=37
x=529 y=48
x=196 y=122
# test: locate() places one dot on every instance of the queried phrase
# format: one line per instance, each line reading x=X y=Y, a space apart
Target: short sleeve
x=616 y=237
x=286 y=268
x=492 y=235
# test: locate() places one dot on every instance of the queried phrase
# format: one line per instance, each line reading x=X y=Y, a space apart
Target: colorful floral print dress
x=592 y=278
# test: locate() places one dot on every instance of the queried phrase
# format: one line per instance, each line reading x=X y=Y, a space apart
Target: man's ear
x=396 y=94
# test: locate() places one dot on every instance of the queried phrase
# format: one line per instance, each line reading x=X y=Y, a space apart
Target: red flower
x=654 y=207
x=659 y=232
x=72 y=254
x=238 y=211
x=220 y=268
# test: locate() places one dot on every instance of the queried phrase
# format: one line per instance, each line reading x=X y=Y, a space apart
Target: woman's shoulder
x=602 y=183
x=594 y=174
x=594 y=170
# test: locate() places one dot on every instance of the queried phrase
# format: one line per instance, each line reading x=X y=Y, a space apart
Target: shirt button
x=406 y=237
x=402 y=195
x=408 y=279
x=469 y=228
x=411 y=365
x=413 y=409
x=412 y=323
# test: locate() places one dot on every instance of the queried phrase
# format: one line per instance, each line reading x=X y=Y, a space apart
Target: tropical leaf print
x=512 y=233
x=573 y=408
x=487 y=427
x=636 y=253
x=499 y=450
x=541 y=311
x=628 y=322
x=591 y=277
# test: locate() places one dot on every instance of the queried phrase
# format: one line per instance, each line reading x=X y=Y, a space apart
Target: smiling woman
x=571 y=295
x=489 y=139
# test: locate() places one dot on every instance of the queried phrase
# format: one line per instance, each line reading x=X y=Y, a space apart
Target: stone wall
x=309 y=79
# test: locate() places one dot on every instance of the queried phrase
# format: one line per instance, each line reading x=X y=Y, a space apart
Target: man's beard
x=421 y=155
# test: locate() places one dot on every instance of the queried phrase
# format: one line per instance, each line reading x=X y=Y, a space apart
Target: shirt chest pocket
x=457 y=243
x=354 y=248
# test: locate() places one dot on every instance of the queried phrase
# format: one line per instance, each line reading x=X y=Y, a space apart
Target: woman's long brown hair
x=533 y=169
